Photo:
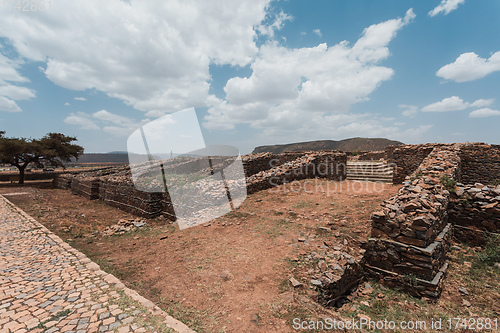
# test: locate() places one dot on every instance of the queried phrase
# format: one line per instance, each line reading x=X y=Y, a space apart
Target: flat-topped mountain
x=353 y=144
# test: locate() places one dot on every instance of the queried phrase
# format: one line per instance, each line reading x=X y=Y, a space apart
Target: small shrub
x=449 y=183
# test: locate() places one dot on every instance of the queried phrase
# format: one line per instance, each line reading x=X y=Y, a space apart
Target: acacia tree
x=53 y=149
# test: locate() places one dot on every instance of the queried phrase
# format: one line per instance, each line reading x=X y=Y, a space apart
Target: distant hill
x=353 y=144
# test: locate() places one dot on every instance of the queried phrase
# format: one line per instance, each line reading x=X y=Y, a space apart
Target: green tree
x=53 y=149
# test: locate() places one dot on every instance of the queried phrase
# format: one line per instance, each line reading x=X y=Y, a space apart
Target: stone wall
x=255 y=163
x=371 y=156
x=127 y=198
x=63 y=181
x=87 y=187
x=329 y=165
x=406 y=159
x=480 y=163
x=474 y=210
x=411 y=233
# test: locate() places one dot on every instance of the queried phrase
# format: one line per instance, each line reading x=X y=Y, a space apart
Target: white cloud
x=92 y=45
x=10 y=93
x=16 y=92
x=455 y=103
x=66 y=104
x=486 y=112
x=279 y=22
x=482 y=103
x=409 y=110
x=81 y=119
x=113 y=118
x=318 y=32
x=112 y=123
x=8 y=105
x=8 y=70
x=446 y=6
x=469 y=67
x=80 y=99
x=289 y=88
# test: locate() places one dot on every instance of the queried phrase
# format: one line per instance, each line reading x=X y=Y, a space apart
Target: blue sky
x=256 y=71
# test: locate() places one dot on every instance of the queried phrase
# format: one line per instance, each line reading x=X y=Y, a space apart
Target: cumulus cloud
x=290 y=88
x=455 y=103
x=8 y=105
x=486 y=112
x=318 y=32
x=469 y=67
x=80 y=99
x=113 y=118
x=82 y=120
x=10 y=92
x=446 y=6
x=92 y=45
x=109 y=122
x=66 y=104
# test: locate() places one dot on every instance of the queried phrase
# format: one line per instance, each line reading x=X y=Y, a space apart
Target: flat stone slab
x=48 y=286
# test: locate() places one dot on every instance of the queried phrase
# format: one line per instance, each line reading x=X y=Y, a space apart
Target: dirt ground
x=232 y=275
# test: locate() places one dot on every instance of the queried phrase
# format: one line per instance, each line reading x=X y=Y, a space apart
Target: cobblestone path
x=47 y=286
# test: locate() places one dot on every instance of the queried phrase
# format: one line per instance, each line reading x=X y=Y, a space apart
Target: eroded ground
x=233 y=275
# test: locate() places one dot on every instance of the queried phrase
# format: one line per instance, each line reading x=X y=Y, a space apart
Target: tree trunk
x=21 y=173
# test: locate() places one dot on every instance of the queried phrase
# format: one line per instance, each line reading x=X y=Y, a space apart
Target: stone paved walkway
x=47 y=286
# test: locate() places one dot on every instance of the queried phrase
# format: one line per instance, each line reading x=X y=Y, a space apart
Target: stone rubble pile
x=123 y=226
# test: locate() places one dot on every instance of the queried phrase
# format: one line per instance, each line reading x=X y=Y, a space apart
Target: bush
x=449 y=183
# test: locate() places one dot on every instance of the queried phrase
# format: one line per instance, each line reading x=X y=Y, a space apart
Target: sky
x=256 y=72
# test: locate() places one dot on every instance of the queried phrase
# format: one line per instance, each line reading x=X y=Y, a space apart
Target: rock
x=286 y=297
x=302 y=239
x=316 y=283
x=294 y=282
x=466 y=303
x=463 y=290
x=226 y=276
x=410 y=206
x=254 y=318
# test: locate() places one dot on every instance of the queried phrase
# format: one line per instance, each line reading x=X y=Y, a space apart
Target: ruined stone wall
x=480 y=163
x=371 y=156
x=473 y=210
x=63 y=181
x=255 y=163
x=406 y=159
x=329 y=165
x=87 y=187
x=411 y=233
x=127 y=198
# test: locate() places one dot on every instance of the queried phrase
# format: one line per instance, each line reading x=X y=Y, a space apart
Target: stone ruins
x=449 y=190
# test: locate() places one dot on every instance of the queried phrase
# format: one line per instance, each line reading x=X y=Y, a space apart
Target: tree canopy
x=52 y=150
